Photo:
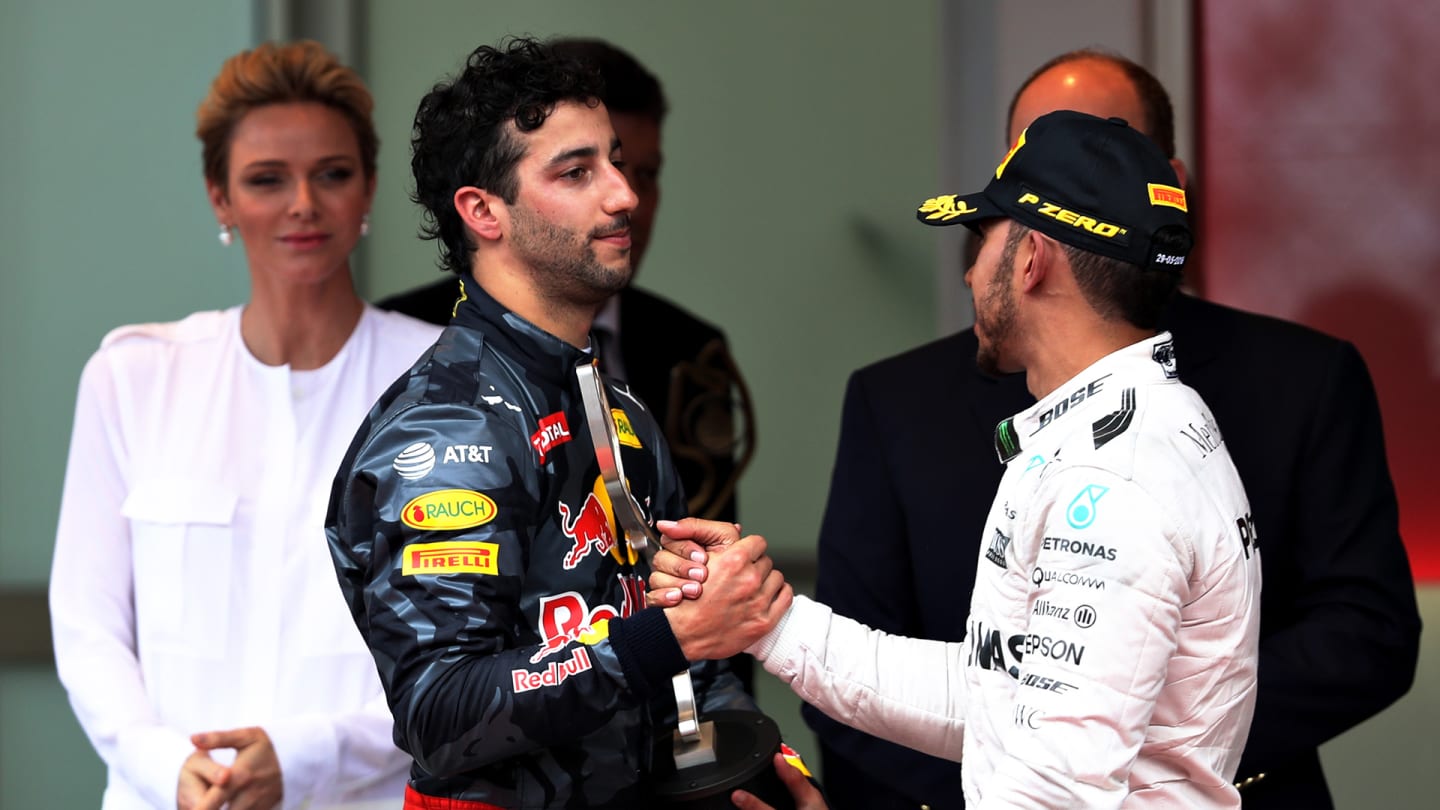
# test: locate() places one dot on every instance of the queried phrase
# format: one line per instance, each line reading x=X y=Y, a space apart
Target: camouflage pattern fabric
x=478 y=552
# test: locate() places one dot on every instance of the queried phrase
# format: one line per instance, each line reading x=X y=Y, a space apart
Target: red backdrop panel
x=1319 y=192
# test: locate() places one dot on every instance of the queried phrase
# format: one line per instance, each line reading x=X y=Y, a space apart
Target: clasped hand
x=720 y=591
x=251 y=782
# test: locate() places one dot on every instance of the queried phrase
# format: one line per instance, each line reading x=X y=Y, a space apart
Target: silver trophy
x=707 y=759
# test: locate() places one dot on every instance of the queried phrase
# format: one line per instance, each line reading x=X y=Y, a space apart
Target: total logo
x=552 y=432
x=418 y=460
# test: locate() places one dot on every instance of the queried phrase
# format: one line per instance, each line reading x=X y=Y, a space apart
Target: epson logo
x=1057 y=649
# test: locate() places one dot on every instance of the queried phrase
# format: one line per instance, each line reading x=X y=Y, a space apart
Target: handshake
x=721 y=592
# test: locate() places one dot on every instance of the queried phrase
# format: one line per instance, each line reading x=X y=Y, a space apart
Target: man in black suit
x=916 y=469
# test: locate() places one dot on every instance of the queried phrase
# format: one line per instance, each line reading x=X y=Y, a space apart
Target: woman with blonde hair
x=199 y=628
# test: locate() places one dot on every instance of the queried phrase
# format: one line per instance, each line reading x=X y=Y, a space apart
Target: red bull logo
x=567 y=617
x=554 y=674
x=552 y=432
x=592 y=528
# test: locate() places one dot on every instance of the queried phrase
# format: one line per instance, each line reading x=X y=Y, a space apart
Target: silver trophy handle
x=692 y=742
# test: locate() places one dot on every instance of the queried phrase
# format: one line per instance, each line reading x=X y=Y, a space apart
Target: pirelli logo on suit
x=451 y=557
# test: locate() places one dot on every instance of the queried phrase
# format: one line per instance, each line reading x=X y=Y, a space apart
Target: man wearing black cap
x=1110 y=654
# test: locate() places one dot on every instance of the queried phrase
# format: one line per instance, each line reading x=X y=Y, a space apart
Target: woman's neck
x=302 y=326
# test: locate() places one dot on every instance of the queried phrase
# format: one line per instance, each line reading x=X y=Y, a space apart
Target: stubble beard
x=999 y=320
x=563 y=264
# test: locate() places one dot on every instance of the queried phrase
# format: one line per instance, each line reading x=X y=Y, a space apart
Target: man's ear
x=1033 y=259
x=485 y=214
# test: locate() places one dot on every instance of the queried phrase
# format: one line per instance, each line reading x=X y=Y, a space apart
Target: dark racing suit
x=478 y=551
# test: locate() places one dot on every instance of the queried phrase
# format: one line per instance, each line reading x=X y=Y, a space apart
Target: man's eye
x=263 y=180
x=576 y=173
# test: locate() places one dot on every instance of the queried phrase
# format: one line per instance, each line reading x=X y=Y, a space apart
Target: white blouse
x=192 y=588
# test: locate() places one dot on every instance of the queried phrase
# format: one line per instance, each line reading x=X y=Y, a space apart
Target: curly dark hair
x=461 y=138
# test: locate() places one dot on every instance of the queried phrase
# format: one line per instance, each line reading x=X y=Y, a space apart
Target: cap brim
x=958 y=209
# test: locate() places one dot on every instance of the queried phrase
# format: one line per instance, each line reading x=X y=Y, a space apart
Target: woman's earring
x=365 y=225
x=225 y=237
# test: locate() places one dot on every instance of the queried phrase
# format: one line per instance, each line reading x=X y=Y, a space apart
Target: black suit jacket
x=916 y=470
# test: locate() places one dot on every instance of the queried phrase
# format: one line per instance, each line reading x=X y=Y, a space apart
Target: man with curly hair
x=474 y=538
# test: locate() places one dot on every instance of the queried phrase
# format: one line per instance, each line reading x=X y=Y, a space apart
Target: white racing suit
x=1111 y=650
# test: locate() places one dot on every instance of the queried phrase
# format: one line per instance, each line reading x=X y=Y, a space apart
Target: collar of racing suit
x=1154 y=357
x=542 y=353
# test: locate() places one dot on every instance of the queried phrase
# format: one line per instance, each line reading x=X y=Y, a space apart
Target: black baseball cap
x=1094 y=183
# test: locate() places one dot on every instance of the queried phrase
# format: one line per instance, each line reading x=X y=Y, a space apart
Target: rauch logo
x=448 y=509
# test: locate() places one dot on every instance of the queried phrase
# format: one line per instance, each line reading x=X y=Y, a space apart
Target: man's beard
x=999 y=321
x=563 y=264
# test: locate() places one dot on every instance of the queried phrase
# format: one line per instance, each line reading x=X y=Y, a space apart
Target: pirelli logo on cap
x=624 y=431
x=1167 y=195
x=1074 y=220
x=454 y=557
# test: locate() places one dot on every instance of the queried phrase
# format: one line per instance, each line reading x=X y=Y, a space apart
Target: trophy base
x=700 y=751
x=745 y=744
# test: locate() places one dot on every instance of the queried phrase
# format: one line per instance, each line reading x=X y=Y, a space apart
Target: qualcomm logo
x=415 y=461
